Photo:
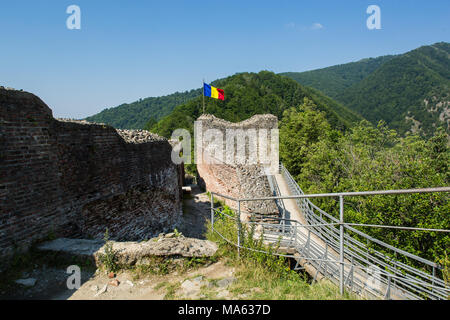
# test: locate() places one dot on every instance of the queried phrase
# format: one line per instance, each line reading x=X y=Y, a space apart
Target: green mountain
x=247 y=94
x=136 y=115
x=334 y=80
x=411 y=91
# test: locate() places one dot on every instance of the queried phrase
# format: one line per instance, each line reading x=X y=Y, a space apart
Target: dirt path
x=207 y=282
x=203 y=283
x=196 y=213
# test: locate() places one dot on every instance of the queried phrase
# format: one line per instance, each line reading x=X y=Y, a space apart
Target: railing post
x=238 y=221
x=432 y=281
x=212 y=211
x=341 y=244
x=295 y=238
x=308 y=242
x=388 y=290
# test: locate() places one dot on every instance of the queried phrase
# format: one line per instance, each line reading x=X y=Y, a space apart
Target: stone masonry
x=75 y=179
x=244 y=180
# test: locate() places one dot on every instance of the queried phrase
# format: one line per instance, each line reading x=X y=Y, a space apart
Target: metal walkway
x=326 y=247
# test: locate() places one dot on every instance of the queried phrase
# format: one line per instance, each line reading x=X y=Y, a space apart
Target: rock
x=30 y=282
x=102 y=290
x=170 y=235
x=225 y=282
x=223 y=294
x=198 y=279
x=188 y=285
x=131 y=284
x=94 y=288
x=190 y=288
x=139 y=136
x=114 y=282
x=131 y=253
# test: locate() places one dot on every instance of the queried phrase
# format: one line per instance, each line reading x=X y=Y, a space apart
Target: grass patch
x=165 y=265
x=171 y=290
x=161 y=285
x=264 y=276
x=257 y=282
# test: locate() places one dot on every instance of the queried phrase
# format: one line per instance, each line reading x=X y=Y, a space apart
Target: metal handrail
x=379 y=242
x=377 y=257
x=404 y=280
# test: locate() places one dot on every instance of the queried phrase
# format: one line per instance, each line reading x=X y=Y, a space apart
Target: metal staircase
x=327 y=247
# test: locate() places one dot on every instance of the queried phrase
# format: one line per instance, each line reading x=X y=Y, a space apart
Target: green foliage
x=300 y=128
x=150 y=124
x=109 y=259
x=177 y=233
x=144 y=113
x=334 y=80
x=225 y=223
x=399 y=87
x=322 y=160
x=445 y=263
x=247 y=94
x=262 y=275
x=154 y=266
x=391 y=88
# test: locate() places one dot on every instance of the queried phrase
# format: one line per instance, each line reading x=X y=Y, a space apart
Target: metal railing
x=327 y=246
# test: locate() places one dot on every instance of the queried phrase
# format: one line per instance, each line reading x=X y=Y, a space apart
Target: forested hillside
x=368 y=157
x=410 y=92
x=137 y=114
x=247 y=94
x=332 y=81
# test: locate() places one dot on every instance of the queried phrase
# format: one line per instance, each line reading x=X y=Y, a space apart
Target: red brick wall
x=76 y=179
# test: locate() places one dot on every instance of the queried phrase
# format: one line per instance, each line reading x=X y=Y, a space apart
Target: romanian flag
x=213 y=92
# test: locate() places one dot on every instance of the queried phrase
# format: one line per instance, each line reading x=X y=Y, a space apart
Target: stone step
x=133 y=253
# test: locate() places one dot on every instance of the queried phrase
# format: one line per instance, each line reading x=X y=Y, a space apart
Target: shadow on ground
x=196 y=213
x=51 y=282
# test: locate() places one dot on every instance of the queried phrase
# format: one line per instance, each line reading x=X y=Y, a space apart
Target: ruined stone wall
x=246 y=180
x=77 y=179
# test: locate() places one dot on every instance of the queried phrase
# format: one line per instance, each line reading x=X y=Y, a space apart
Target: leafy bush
x=369 y=158
x=109 y=258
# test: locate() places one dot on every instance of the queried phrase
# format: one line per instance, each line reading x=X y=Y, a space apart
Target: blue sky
x=128 y=50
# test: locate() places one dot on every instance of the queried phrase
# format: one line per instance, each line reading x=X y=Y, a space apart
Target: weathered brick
x=77 y=179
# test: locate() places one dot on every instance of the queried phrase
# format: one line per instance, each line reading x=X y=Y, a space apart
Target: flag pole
x=203 y=94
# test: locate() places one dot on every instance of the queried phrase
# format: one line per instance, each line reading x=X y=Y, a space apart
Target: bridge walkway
x=317 y=270
x=313 y=237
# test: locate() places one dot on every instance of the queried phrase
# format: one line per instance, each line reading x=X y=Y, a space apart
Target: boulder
x=131 y=253
x=30 y=282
